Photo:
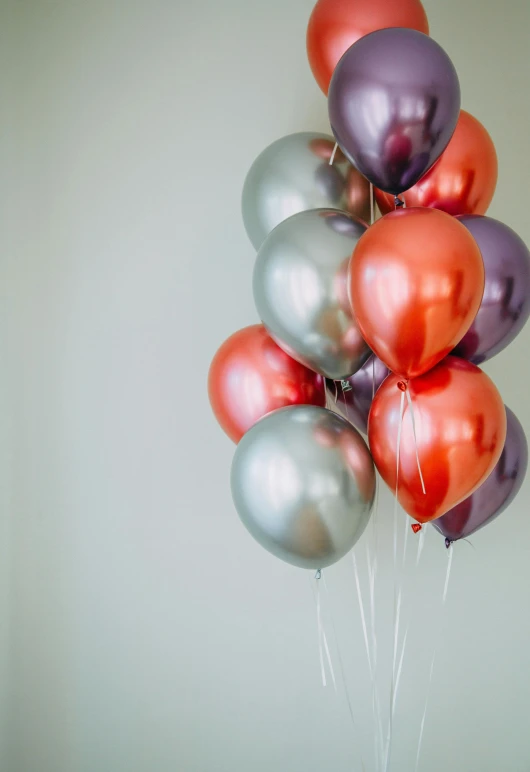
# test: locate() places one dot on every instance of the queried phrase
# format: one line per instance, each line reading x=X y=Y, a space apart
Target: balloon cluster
x=388 y=322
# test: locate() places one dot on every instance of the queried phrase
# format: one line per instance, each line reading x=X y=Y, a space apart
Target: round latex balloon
x=495 y=494
x=335 y=25
x=464 y=178
x=394 y=101
x=416 y=283
x=251 y=375
x=353 y=396
x=301 y=291
x=293 y=175
x=505 y=306
x=303 y=483
x=460 y=424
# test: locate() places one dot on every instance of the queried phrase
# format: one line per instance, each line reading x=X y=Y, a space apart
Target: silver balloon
x=303 y=483
x=293 y=175
x=301 y=291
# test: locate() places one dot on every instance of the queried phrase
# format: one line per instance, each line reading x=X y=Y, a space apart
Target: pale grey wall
x=143 y=629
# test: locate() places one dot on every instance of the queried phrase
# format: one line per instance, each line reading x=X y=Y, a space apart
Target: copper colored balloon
x=251 y=376
x=460 y=428
x=335 y=25
x=462 y=181
x=496 y=492
x=416 y=283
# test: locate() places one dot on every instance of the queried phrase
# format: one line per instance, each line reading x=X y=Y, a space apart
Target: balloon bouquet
x=387 y=322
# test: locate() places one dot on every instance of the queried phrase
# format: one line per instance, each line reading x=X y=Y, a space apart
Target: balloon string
x=376 y=712
x=373 y=376
x=344 y=390
x=397 y=597
x=333 y=154
x=342 y=671
x=421 y=544
x=322 y=638
x=422 y=724
x=372 y=574
x=372 y=204
x=411 y=408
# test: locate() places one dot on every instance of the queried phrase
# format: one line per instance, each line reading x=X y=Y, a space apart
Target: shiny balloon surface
x=303 y=483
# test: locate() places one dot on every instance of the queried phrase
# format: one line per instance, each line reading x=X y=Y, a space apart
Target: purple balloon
x=495 y=494
x=394 y=100
x=505 y=305
x=355 y=399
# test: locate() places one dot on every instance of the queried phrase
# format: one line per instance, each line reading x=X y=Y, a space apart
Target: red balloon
x=460 y=429
x=462 y=181
x=335 y=25
x=416 y=284
x=251 y=376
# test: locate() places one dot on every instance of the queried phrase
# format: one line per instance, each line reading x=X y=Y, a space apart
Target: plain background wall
x=141 y=628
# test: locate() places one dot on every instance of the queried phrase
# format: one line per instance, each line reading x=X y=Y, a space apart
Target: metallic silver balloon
x=303 y=483
x=301 y=291
x=293 y=175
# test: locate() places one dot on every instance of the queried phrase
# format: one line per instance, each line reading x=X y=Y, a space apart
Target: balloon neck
x=398 y=202
x=345 y=385
x=318 y=574
x=416 y=527
x=448 y=543
x=402 y=385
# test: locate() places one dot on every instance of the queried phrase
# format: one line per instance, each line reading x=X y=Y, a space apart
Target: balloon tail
x=372 y=204
x=411 y=408
x=422 y=724
x=421 y=544
x=333 y=154
x=398 y=202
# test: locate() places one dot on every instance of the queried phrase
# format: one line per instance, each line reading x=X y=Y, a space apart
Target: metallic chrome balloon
x=505 y=305
x=293 y=175
x=354 y=395
x=394 y=101
x=303 y=483
x=301 y=291
x=495 y=494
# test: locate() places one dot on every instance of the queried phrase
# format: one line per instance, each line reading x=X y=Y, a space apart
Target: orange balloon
x=460 y=431
x=335 y=25
x=416 y=284
x=462 y=181
x=251 y=376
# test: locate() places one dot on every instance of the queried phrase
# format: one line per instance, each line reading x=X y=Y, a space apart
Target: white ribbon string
x=397 y=596
x=422 y=723
x=322 y=639
x=343 y=674
x=409 y=400
x=333 y=155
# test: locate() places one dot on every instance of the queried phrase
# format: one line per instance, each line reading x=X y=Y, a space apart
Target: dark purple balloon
x=495 y=494
x=355 y=402
x=505 y=305
x=394 y=100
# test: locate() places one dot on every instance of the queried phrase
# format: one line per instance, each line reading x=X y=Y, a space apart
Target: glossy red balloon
x=416 y=284
x=462 y=181
x=460 y=428
x=335 y=25
x=251 y=376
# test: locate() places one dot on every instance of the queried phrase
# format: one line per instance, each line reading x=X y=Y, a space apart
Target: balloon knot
x=318 y=574
x=416 y=527
x=398 y=202
x=402 y=385
x=345 y=385
x=448 y=543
